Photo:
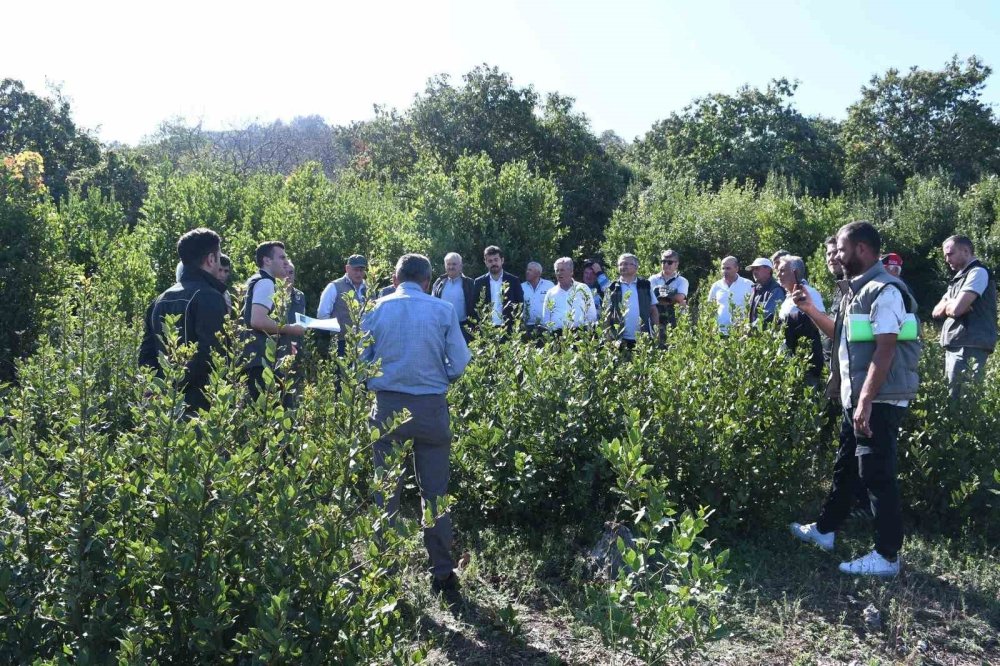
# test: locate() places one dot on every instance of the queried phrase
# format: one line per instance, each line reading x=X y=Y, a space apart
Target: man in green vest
x=875 y=373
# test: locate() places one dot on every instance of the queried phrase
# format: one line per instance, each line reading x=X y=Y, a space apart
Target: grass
x=788 y=604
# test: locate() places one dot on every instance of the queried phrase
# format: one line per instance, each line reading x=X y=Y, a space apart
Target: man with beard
x=876 y=373
x=502 y=290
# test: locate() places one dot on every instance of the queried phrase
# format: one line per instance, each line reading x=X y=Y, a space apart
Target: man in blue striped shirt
x=418 y=340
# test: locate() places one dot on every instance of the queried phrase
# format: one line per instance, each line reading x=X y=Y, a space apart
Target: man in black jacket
x=767 y=294
x=197 y=298
x=459 y=290
x=500 y=289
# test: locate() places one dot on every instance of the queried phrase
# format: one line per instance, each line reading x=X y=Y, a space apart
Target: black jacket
x=197 y=299
x=514 y=295
x=765 y=300
x=468 y=289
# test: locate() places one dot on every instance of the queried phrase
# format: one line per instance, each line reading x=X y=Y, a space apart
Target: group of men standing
x=417 y=331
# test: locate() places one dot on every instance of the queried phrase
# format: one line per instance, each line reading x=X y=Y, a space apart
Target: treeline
x=483 y=161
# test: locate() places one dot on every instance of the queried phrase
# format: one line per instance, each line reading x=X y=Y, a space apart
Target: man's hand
x=293 y=329
x=940 y=310
x=803 y=301
x=862 y=416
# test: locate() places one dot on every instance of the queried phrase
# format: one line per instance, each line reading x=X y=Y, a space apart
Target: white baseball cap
x=761 y=261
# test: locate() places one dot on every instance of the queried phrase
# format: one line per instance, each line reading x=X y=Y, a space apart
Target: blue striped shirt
x=418 y=340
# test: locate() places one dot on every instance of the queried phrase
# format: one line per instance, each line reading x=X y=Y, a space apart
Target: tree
x=745 y=137
x=918 y=123
x=44 y=125
x=488 y=114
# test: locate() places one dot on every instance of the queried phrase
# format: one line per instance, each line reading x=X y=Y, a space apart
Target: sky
x=128 y=66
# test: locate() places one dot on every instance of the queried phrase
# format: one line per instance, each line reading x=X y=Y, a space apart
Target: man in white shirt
x=534 y=288
x=569 y=304
x=670 y=288
x=731 y=293
x=333 y=300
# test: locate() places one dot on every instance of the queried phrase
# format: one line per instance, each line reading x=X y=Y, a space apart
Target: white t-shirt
x=630 y=292
x=679 y=283
x=976 y=281
x=888 y=312
x=534 y=300
x=730 y=297
x=263 y=293
x=569 y=308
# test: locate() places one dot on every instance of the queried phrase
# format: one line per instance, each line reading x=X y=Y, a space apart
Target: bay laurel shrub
x=131 y=533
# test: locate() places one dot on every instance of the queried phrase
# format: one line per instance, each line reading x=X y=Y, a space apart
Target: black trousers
x=868 y=462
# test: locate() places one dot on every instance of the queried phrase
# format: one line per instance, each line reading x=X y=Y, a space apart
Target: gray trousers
x=963 y=365
x=430 y=431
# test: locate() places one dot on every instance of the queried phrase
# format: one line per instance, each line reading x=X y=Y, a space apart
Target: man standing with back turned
x=419 y=342
x=876 y=373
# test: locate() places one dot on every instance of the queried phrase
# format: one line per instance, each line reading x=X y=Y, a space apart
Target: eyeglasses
x=668 y=261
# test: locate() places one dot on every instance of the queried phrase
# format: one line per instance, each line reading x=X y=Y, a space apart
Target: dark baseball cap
x=357 y=260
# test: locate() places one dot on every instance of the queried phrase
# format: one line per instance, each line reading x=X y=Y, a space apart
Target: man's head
x=958 y=252
x=453 y=265
x=493 y=257
x=859 y=246
x=777 y=257
x=533 y=271
x=791 y=271
x=670 y=261
x=589 y=272
x=628 y=266
x=356 y=269
x=414 y=268
x=271 y=258
x=564 y=272
x=290 y=275
x=762 y=269
x=893 y=264
x=832 y=260
x=730 y=269
x=200 y=248
x=225 y=269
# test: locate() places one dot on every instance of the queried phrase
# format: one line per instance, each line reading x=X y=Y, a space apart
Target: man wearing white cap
x=767 y=293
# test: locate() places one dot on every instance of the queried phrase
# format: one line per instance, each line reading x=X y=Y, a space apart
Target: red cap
x=892 y=259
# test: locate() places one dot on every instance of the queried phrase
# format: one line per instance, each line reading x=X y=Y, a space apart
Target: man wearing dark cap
x=893 y=264
x=333 y=301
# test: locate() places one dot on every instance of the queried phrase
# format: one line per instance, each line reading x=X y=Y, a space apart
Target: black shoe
x=448 y=587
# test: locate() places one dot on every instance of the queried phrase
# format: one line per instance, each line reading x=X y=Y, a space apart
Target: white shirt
x=679 y=283
x=496 y=297
x=263 y=293
x=976 y=281
x=730 y=298
x=788 y=307
x=534 y=300
x=888 y=312
x=569 y=308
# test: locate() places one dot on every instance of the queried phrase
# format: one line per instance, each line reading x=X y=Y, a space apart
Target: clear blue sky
x=129 y=65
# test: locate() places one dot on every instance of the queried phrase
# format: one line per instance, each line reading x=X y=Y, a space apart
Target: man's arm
x=326 y=299
x=590 y=314
x=957 y=307
x=455 y=350
x=940 y=310
x=210 y=315
x=823 y=321
x=885 y=350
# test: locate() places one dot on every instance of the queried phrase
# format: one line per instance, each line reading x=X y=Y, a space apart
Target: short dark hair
x=197 y=244
x=264 y=250
x=492 y=250
x=863 y=232
x=831 y=240
x=778 y=255
x=225 y=260
x=961 y=240
x=413 y=268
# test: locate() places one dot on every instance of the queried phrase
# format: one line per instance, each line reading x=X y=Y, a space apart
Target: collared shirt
x=453 y=291
x=630 y=301
x=887 y=314
x=534 y=300
x=730 y=298
x=418 y=340
x=569 y=308
x=496 y=297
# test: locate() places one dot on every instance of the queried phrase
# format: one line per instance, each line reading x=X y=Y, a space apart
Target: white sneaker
x=871 y=564
x=810 y=534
